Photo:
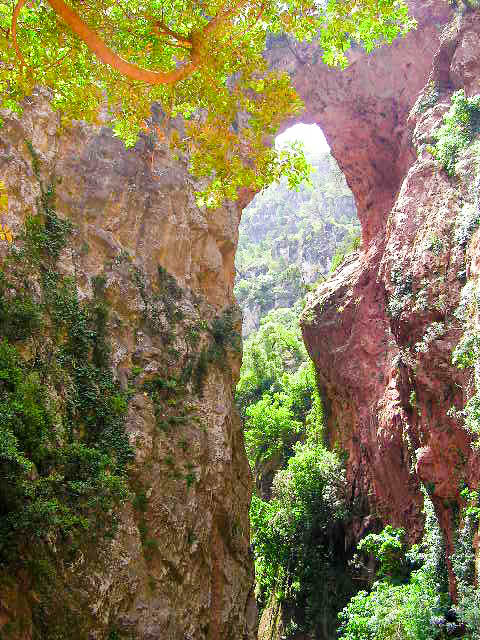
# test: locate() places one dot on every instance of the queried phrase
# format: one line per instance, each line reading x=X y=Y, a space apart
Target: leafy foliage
x=276 y=347
x=460 y=125
x=223 y=338
x=467 y=354
x=277 y=390
x=299 y=556
x=184 y=56
x=53 y=485
x=402 y=291
x=394 y=611
x=388 y=547
x=463 y=561
x=401 y=604
x=62 y=462
x=270 y=428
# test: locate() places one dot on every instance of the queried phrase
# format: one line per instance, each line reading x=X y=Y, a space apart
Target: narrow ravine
x=289 y=243
x=146 y=470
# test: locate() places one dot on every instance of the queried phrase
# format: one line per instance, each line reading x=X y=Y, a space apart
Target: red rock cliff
x=381 y=332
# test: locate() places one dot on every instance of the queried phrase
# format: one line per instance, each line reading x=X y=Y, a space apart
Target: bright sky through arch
x=311 y=135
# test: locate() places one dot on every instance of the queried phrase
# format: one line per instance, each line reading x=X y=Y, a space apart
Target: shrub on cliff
x=63 y=446
x=460 y=125
x=53 y=487
x=463 y=562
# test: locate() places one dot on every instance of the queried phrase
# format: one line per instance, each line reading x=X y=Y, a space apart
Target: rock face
x=383 y=330
x=179 y=566
x=363 y=109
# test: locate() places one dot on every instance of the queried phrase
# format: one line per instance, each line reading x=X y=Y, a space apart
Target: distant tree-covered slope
x=288 y=238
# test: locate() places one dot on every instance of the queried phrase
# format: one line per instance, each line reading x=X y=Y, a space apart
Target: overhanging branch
x=102 y=51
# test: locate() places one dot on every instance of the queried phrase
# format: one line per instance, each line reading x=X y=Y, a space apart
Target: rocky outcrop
x=383 y=330
x=179 y=565
x=363 y=109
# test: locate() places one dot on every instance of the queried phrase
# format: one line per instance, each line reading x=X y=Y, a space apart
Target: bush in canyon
x=298 y=536
x=463 y=561
x=269 y=355
x=53 y=486
x=277 y=392
x=270 y=430
x=409 y=600
x=277 y=420
x=299 y=556
x=388 y=547
x=130 y=54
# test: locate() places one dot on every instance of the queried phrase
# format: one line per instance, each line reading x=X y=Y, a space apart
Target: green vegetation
x=300 y=558
x=402 y=291
x=287 y=238
x=130 y=54
x=409 y=598
x=223 y=336
x=465 y=224
x=388 y=547
x=64 y=452
x=271 y=428
x=463 y=561
x=467 y=354
x=461 y=124
x=63 y=462
x=299 y=517
x=270 y=357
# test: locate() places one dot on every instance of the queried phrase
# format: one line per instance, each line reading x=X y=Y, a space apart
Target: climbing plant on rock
x=200 y=59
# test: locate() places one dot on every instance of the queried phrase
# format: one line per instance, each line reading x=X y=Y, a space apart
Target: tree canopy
x=200 y=59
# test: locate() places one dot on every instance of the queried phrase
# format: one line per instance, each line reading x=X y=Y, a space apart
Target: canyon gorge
x=381 y=332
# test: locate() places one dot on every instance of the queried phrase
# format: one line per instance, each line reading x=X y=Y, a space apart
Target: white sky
x=310 y=134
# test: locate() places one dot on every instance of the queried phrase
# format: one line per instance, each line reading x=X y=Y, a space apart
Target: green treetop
x=201 y=59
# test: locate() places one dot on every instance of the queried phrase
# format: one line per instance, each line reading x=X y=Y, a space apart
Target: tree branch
x=162 y=27
x=102 y=51
x=184 y=44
